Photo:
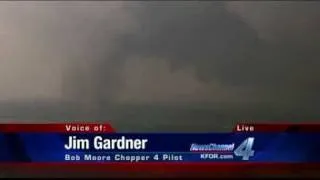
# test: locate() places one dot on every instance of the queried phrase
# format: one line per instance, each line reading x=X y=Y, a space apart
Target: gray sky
x=160 y=52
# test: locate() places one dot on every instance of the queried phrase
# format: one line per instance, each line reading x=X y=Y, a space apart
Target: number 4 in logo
x=244 y=150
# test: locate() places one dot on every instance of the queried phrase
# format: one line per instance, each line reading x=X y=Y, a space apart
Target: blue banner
x=206 y=147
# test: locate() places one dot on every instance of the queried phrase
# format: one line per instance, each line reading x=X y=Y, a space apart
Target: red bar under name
x=61 y=128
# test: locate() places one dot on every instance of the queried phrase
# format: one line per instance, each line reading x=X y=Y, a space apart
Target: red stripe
x=61 y=128
x=243 y=127
x=107 y=128
x=164 y=167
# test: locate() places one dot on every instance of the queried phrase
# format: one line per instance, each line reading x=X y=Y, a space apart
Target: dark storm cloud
x=204 y=35
x=273 y=54
x=201 y=36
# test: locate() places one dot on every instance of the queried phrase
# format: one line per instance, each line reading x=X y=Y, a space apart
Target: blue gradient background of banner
x=269 y=147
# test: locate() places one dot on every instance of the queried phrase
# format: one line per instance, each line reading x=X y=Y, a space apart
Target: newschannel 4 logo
x=245 y=150
x=225 y=151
